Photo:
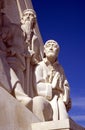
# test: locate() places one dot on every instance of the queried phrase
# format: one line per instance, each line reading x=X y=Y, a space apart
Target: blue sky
x=64 y=21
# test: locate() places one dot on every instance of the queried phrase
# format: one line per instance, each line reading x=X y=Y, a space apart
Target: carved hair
x=49 y=41
x=28 y=11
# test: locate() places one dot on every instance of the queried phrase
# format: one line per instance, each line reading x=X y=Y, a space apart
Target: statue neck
x=51 y=60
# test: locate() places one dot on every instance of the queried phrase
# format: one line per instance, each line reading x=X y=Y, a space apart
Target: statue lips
x=51 y=52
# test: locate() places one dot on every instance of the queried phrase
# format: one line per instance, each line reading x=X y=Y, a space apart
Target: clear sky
x=64 y=21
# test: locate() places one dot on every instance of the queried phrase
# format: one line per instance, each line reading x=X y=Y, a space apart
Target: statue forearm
x=45 y=90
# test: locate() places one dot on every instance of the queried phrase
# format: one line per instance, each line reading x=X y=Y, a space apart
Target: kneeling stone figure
x=52 y=100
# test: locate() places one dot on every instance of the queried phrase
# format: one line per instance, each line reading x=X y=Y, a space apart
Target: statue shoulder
x=41 y=64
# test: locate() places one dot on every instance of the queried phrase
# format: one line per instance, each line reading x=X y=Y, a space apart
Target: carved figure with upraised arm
x=28 y=23
x=51 y=85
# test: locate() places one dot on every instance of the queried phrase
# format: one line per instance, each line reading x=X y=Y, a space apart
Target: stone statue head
x=51 y=49
x=28 y=15
x=28 y=11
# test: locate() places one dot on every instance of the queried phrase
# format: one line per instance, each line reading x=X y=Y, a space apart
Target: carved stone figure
x=4 y=67
x=28 y=23
x=36 y=82
x=19 y=53
x=12 y=39
x=51 y=85
x=12 y=58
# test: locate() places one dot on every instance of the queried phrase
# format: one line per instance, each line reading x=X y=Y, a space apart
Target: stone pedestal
x=67 y=124
x=15 y=116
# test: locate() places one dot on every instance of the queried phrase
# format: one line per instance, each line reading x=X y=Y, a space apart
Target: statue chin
x=51 y=55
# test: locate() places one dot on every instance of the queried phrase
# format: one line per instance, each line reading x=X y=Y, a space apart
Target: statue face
x=51 y=49
x=28 y=17
x=28 y=21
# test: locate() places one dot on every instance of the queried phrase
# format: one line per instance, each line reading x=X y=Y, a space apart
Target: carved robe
x=44 y=73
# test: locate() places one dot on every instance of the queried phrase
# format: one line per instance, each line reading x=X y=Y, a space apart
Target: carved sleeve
x=43 y=89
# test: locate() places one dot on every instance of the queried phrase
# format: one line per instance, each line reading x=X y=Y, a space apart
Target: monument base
x=15 y=116
x=67 y=124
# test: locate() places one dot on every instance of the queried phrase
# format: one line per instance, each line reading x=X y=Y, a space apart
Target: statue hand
x=69 y=105
x=55 y=82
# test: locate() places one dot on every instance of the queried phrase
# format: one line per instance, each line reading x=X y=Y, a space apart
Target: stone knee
x=20 y=95
x=42 y=108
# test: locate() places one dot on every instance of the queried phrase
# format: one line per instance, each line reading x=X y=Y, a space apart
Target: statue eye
x=31 y=15
x=55 y=46
x=48 y=45
x=26 y=14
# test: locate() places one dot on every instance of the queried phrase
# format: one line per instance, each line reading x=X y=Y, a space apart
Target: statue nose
x=51 y=48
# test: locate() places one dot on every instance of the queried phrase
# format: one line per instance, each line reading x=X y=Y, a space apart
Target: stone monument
x=35 y=93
